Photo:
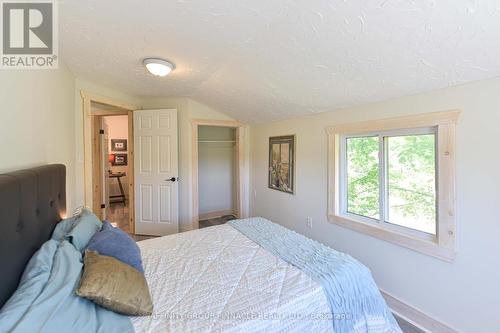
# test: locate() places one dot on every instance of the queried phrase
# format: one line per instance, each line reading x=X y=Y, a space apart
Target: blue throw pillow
x=87 y=225
x=115 y=243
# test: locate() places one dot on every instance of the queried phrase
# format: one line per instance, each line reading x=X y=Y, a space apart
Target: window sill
x=425 y=246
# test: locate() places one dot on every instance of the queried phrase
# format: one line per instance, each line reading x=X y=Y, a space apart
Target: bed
x=217 y=279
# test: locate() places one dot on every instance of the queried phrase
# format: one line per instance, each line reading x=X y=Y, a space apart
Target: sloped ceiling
x=264 y=60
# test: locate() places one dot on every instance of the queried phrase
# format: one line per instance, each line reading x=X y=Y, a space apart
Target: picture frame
x=281 y=173
x=120 y=160
x=118 y=144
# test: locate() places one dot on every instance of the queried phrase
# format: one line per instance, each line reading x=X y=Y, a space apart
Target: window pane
x=412 y=181
x=363 y=176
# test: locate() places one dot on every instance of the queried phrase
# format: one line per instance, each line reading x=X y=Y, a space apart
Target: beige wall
x=37 y=121
x=463 y=294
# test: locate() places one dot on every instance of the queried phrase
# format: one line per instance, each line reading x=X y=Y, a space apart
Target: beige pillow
x=114 y=285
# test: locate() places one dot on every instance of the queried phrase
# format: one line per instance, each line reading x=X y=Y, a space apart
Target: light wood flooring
x=118 y=215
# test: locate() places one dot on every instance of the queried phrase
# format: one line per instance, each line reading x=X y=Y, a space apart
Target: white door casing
x=156 y=172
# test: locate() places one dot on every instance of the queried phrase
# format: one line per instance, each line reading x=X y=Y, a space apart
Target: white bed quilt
x=215 y=279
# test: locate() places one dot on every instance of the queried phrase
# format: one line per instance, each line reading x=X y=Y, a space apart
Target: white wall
x=216 y=169
x=463 y=294
x=41 y=122
x=188 y=109
x=37 y=121
x=118 y=129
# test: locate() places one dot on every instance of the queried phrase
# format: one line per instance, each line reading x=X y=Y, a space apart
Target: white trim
x=415 y=316
x=443 y=124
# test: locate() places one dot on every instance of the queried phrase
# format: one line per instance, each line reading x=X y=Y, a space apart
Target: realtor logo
x=29 y=34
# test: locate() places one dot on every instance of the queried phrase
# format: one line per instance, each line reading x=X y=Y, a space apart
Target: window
x=394 y=179
x=391 y=178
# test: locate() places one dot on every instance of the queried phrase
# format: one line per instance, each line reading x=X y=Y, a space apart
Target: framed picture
x=119 y=144
x=119 y=159
x=282 y=163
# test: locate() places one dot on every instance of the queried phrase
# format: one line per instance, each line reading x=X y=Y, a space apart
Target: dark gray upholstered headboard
x=32 y=201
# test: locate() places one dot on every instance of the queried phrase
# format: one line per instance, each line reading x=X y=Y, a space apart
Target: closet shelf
x=206 y=141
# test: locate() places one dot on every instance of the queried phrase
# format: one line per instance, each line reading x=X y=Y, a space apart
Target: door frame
x=92 y=151
x=240 y=165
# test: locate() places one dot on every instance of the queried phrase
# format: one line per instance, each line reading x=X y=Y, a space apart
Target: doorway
x=218 y=172
x=116 y=174
x=98 y=151
x=155 y=212
x=216 y=175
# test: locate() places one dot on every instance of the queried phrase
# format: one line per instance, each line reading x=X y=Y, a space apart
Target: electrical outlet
x=309 y=222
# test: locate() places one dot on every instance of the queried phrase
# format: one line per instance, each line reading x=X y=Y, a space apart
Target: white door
x=156 y=172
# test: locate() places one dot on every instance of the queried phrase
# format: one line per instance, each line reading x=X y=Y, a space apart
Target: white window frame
x=443 y=125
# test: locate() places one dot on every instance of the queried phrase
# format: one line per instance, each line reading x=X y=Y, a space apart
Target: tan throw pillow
x=114 y=285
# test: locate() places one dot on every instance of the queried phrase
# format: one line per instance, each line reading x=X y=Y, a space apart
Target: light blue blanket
x=46 y=301
x=355 y=301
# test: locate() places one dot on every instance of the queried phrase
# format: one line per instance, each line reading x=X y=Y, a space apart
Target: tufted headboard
x=32 y=201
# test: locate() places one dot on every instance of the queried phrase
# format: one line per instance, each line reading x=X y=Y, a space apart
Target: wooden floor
x=118 y=215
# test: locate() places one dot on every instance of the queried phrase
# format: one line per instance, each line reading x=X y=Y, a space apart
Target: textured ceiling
x=263 y=60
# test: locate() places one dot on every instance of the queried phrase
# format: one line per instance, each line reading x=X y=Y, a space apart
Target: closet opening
x=216 y=175
x=217 y=172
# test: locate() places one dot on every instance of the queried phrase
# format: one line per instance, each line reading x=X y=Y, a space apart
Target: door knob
x=173 y=179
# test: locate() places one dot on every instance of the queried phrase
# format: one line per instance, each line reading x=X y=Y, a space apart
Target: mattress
x=216 y=279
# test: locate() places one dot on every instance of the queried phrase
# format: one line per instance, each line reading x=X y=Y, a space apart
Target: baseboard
x=215 y=214
x=185 y=229
x=415 y=316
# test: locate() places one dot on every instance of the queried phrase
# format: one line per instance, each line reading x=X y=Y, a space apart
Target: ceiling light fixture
x=158 y=67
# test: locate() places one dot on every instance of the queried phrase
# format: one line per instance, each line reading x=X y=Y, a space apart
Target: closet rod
x=216 y=141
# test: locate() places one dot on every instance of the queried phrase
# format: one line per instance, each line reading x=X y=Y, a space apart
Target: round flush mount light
x=158 y=67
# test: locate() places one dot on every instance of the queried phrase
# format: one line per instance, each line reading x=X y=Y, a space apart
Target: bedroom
x=322 y=72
